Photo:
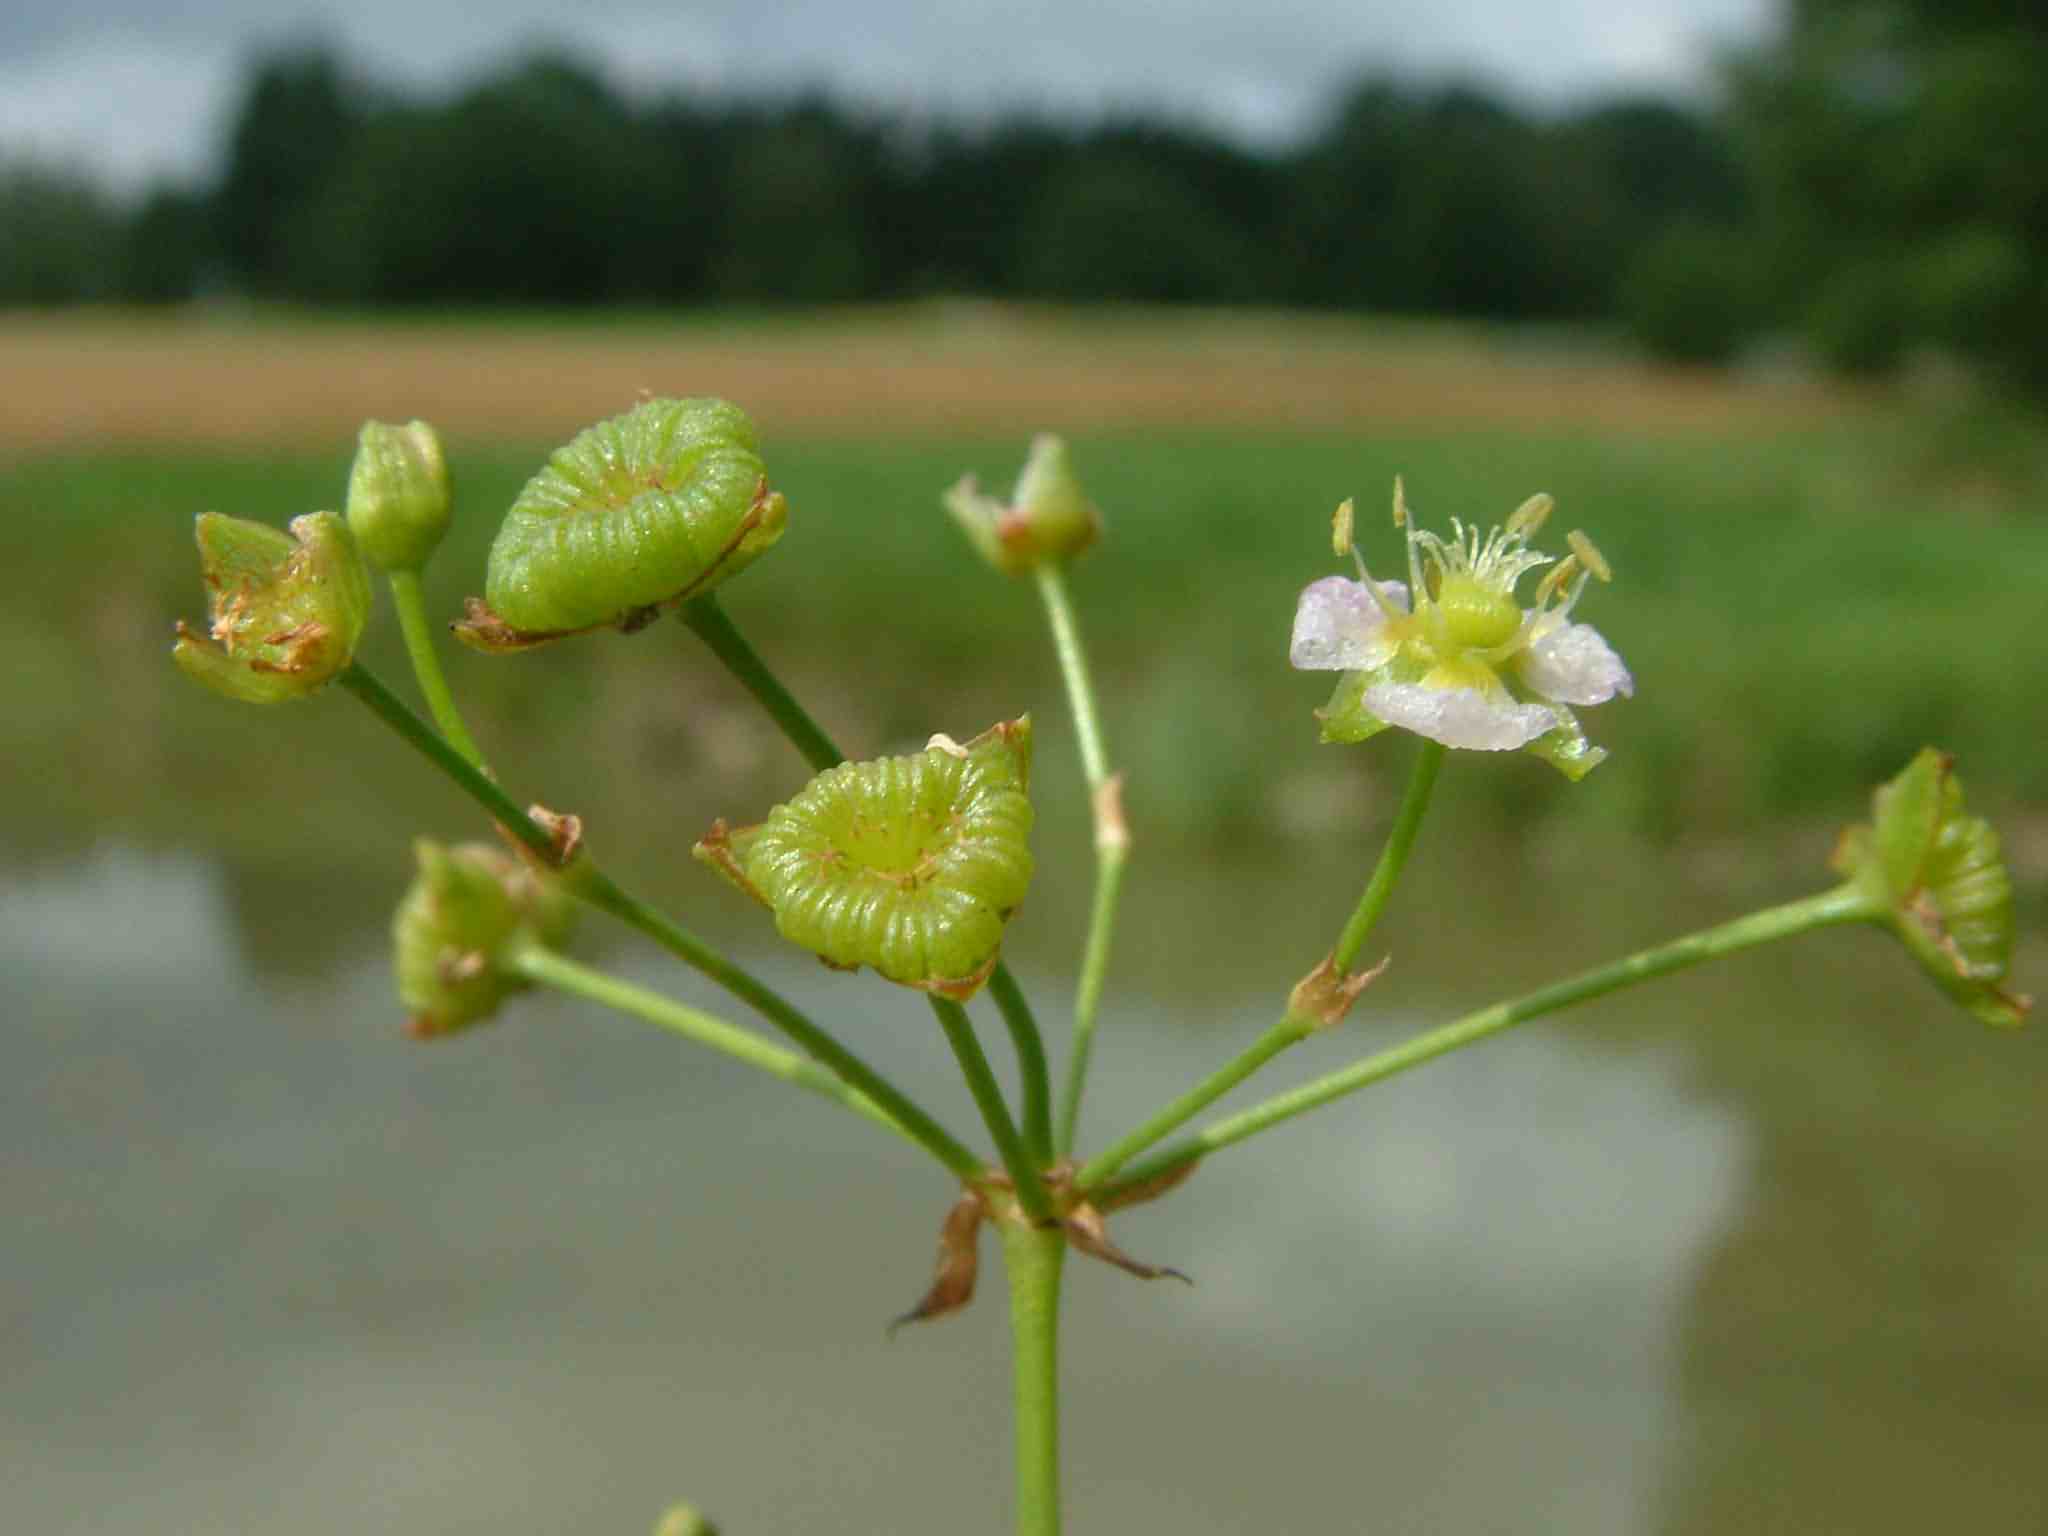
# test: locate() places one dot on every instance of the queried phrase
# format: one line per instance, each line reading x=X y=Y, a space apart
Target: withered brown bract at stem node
x=1145 y=1191
x=959 y=1260
x=1087 y=1233
x=564 y=830
x=1322 y=997
x=1112 y=832
x=959 y=1264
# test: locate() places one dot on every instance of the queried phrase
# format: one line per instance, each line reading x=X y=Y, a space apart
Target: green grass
x=1801 y=612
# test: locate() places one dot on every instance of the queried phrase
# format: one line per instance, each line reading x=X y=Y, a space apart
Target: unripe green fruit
x=645 y=509
x=911 y=865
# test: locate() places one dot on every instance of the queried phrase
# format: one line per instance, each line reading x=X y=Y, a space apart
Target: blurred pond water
x=272 y=1268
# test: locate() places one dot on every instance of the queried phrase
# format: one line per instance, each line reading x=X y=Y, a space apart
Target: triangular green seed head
x=1933 y=874
x=287 y=610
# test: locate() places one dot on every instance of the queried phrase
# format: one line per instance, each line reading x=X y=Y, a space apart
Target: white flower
x=1464 y=663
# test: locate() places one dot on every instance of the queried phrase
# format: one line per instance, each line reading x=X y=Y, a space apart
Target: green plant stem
x=426 y=664
x=1288 y=1030
x=603 y=893
x=550 y=969
x=1034 y=1257
x=1032 y=1072
x=1112 y=842
x=1844 y=904
x=470 y=779
x=586 y=880
x=1292 y=1027
x=1393 y=857
x=1066 y=642
x=1109 y=879
x=708 y=621
x=995 y=1113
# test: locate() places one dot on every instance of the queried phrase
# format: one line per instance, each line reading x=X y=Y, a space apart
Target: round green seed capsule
x=657 y=505
x=911 y=865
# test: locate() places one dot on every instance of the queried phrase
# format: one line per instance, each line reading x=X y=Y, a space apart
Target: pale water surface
x=270 y=1267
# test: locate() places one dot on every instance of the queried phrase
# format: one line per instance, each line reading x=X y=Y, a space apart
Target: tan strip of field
x=76 y=380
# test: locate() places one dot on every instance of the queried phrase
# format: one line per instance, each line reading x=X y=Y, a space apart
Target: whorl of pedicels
x=465 y=910
x=636 y=513
x=910 y=865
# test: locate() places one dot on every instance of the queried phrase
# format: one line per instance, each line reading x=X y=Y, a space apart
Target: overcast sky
x=137 y=89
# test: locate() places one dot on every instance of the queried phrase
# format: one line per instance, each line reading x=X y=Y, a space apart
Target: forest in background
x=1874 y=184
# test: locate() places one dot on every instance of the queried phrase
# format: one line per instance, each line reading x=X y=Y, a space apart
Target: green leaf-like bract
x=661 y=503
x=911 y=865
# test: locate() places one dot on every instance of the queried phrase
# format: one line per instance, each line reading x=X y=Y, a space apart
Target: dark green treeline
x=543 y=185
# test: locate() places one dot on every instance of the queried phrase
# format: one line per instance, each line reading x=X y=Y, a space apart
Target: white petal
x=1573 y=665
x=1460 y=717
x=1339 y=628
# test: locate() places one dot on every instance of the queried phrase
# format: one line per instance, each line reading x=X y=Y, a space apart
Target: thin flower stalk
x=1316 y=1004
x=544 y=966
x=587 y=881
x=426 y=665
x=995 y=1113
x=1112 y=840
x=1843 y=904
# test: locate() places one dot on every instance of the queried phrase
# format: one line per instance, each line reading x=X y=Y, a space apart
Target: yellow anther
x=1400 y=504
x=1531 y=515
x=1589 y=555
x=1555 y=578
x=1340 y=527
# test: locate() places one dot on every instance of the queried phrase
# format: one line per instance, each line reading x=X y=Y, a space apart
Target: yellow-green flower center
x=1477 y=614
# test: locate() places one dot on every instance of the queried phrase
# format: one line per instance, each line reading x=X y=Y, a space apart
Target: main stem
x=1034 y=1257
x=1844 y=904
x=586 y=880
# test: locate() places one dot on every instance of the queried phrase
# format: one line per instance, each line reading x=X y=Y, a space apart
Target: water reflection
x=276 y=1269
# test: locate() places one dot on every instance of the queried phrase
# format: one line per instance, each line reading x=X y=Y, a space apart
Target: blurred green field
x=1802 y=611
x=1804 y=604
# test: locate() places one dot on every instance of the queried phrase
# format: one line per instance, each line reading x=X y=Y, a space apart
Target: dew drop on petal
x=1460 y=717
x=1572 y=664
x=1337 y=627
